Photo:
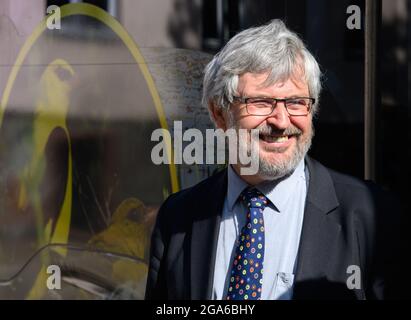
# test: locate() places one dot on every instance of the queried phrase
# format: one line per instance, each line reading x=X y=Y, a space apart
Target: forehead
x=255 y=83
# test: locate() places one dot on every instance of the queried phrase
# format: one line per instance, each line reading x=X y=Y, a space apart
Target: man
x=293 y=230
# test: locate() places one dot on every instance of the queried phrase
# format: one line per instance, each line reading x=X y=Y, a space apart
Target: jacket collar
x=320 y=232
x=204 y=237
x=321 y=192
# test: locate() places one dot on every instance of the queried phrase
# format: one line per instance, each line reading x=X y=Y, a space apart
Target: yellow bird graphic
x=49 y=124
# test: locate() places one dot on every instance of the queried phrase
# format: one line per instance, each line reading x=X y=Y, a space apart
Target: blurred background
x=79 y=104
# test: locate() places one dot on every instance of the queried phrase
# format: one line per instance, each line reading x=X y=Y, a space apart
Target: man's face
x=283 y=140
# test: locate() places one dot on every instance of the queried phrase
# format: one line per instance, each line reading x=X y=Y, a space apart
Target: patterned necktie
x=246 y=276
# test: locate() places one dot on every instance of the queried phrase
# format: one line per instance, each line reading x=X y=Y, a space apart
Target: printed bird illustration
x=38 y=187
x=127 y=232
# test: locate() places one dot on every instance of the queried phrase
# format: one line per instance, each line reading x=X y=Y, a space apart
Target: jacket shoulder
x=180 y=206
x=351 y=192
x=188 y=195
x=349 y=183
x=360 y=188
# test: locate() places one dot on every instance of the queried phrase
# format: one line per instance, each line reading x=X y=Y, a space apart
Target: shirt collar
x=278 y=191
x=236 y=185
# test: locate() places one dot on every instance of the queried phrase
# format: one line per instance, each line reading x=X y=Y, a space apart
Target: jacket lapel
x=320 y=231
x=204 y=236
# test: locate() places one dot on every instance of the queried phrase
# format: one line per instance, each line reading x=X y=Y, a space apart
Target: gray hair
x=270 y=48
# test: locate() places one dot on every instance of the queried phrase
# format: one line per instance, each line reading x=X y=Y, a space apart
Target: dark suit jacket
x=346 y=222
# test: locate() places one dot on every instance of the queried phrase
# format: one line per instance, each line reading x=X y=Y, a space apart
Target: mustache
x=269 y=130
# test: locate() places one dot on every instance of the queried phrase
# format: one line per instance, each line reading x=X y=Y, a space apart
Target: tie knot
x=253 y=198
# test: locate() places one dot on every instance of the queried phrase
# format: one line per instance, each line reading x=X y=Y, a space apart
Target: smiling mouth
x=275 y=138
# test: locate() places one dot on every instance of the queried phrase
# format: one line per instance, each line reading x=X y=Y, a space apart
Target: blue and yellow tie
x=246 y=276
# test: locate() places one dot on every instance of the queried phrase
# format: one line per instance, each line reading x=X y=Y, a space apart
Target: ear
x=219 y=116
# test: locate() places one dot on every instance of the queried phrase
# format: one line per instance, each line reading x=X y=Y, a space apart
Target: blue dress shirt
x=283 y=220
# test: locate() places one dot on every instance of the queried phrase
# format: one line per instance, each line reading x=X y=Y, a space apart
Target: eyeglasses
x=261 y=106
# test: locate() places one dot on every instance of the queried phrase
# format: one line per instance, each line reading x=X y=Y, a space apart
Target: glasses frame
x=274 y=102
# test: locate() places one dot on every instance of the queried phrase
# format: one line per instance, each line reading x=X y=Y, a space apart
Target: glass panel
x=79 y=105
x=68 y=272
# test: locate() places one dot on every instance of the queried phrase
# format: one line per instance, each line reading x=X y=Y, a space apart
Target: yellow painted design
x=40 y=285
x=126 y=235
x=50 y=112
x=101 y=15
x=126 y=271
x=48 y=116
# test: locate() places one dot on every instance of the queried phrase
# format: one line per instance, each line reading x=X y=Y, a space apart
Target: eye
x=260 y=103
x=297 y=102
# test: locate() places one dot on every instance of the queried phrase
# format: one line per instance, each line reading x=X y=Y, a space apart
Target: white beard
x=273 y=169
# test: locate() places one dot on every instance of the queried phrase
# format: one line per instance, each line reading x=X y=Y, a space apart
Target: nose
x=279 y=117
